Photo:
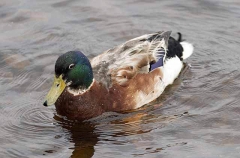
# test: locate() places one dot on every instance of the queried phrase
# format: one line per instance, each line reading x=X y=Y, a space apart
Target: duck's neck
x=81 y=89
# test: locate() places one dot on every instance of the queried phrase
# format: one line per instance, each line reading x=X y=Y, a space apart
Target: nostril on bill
x=45 y=103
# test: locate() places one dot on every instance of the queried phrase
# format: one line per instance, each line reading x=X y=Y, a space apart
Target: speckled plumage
x=123 y=78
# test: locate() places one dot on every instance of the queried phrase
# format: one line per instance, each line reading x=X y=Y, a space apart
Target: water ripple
x=199 y=112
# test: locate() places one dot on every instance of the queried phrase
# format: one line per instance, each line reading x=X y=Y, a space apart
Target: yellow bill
x=56 y=90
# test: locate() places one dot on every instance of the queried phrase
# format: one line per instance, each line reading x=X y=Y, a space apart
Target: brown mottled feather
x=99 y=99
x=137 y=53
x=122 y=80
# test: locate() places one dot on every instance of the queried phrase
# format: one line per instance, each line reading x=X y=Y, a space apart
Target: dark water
x=198 y=116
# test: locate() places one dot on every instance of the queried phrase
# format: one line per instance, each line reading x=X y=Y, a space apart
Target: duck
x=122 y=78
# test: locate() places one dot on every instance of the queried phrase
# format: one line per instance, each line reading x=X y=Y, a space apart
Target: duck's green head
x=72 y=69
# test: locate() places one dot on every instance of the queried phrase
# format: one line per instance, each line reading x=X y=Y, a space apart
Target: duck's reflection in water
x=82 y=135
x=85 y=135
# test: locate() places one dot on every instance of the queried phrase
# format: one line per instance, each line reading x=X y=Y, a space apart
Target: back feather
x=135 y=56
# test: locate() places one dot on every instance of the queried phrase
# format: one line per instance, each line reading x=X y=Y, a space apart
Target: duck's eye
x=71 y=66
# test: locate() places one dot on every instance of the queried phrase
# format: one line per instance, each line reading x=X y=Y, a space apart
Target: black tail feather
x=180 y=37
x=174 y=47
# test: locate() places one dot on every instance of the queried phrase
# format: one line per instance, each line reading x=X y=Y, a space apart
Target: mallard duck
x=122 y=78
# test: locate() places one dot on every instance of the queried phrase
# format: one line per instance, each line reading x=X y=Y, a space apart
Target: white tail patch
x=187 y=49
x=171 y=69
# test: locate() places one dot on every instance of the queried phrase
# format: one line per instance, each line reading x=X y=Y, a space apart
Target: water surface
x=197 y=116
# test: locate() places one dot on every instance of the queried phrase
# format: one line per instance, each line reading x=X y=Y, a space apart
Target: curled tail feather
x=179 y=37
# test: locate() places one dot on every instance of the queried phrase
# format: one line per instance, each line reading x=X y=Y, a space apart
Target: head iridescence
x=80 y=75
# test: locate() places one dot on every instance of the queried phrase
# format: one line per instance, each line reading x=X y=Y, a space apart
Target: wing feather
x=122 y=63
